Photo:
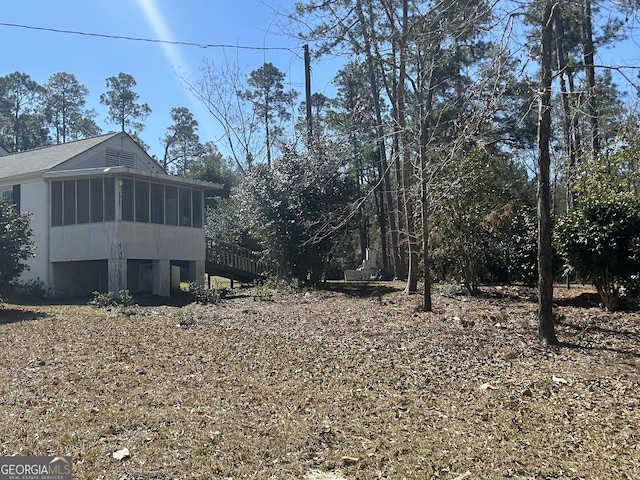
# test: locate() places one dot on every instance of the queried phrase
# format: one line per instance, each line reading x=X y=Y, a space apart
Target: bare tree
x=217 y=89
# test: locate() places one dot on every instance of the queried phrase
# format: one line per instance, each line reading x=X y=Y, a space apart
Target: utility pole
x=307 y=84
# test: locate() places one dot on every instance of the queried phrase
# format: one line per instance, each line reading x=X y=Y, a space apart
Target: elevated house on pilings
x=106 y=217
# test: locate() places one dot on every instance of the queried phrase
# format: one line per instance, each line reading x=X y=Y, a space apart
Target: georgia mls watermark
x=35 y=468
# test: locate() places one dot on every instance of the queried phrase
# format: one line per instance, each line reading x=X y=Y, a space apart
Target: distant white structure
x=106 y=217
x=368 y=271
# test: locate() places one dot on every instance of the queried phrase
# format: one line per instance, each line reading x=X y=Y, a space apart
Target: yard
x=325 y=385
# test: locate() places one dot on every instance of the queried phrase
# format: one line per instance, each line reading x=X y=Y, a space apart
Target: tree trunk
x=425 y=114
x=16 y=129
x=590 y=71
x=399 y=268
x=406 y=170
x=382 y=223
x=424 y=198
x=546 y=328
x=267 y=134
x=363 y=234
x=567 y=125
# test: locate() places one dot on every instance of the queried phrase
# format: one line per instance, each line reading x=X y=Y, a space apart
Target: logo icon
x=35 y=468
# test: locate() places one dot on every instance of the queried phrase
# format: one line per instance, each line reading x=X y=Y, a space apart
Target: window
x=56 y=203
x=109 y=199
x=12 y=196
x=8 y=196
x=142 y=201
x=171 y=205
x=16 y=196
x=69 y=202
x=97 y=200
x=93 y=200
x=157 y=203
x=127 y=200
x=197 y=208
x=185 y=207
x=82 y=197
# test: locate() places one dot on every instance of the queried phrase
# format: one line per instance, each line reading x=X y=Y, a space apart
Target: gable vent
x=118 y=158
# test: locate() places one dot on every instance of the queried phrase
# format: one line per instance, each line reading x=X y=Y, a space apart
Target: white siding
x=90 y=241
x=99 y=241
x=100 y=250
x=162 y=242
x=34 y=199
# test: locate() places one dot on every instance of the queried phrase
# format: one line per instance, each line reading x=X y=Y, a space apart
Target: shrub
x=16 y=244
x=600 y=239
x=126 y=299
x=109 y=300
x=204 y=296
x=268 y=285
x=103 y=300
x=30 y=288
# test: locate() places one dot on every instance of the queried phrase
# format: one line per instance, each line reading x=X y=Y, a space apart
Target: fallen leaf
x=320 y=475
x=487 y=386
x=121 y=454
x=527 y=392
x=466 y=474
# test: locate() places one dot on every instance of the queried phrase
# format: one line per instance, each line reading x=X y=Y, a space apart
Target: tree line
x=34 y=115
x=469 y=142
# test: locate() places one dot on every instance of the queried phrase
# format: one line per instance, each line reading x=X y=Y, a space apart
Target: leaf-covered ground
x=325 y=385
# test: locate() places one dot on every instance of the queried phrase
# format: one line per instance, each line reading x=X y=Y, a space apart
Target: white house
x=106 y=217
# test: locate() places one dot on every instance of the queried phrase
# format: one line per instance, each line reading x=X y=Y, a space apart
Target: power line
x=149 y=40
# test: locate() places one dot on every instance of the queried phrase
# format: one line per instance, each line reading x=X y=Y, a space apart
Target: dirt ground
x=325 y=385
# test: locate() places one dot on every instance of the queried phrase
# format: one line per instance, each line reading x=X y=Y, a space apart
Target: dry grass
x=324 y=385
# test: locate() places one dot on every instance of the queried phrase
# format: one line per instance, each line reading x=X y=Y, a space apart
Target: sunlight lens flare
x=161 y=29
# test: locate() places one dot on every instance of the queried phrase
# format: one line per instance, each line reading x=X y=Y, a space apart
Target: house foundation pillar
x=117 y=275
x=196 y=272
x=161 y=278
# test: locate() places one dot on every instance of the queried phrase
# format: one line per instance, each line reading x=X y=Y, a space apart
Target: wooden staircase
x=236 y=263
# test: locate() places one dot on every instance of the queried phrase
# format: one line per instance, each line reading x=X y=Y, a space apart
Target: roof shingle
x=45 y=158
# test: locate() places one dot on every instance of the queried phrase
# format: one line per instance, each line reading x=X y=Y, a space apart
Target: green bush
x=600 y=240
x=126 y=299
x=30 y=288
x=631 y=287
x=16 y=243
x=268 y=285
x=203 y=295
x=103 y=300
x=109 y=300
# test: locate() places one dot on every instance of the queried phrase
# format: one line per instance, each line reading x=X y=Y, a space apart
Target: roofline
x=87 y=172
x=103 y=136
x=22 y=177
x=37 y=174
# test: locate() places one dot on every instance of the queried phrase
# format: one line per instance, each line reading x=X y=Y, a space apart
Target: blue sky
x=245 y=23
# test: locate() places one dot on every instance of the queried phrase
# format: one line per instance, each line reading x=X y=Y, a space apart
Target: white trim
x=163 y=177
